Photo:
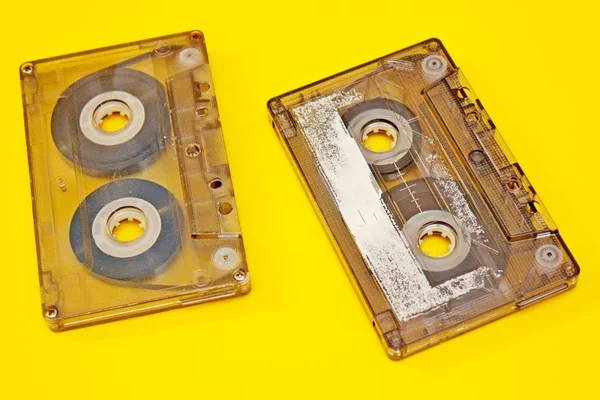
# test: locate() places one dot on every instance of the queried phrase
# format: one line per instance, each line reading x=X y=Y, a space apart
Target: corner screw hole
x=51 y=312
x=239 y=275
x=433 y=46
x=27 y=69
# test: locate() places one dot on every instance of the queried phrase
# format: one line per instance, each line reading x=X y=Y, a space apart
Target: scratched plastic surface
x=189 y=162
x=443 y=170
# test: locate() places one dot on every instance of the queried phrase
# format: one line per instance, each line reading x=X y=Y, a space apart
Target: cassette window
x=132 y=195
x=435 y=220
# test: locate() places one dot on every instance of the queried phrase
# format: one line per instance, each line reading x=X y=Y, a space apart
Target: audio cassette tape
x=437 y=225
x=133 y=203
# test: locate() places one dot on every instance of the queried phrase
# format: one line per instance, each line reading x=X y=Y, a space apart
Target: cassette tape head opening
x=429 y=211
x=133 y=200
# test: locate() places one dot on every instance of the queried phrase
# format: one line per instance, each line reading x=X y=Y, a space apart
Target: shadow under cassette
x=125 y=146
x=439 y=227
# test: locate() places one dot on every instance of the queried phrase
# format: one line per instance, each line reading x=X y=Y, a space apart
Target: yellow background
x=302 y=331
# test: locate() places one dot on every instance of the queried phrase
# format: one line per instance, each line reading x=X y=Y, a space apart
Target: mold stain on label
x=358 y=196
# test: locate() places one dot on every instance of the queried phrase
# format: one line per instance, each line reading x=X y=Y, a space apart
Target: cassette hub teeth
x=134 y=94
x=438 y=229
x=144 y=257
x=377 y=128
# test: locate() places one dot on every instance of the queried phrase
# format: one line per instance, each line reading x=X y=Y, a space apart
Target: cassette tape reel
x=437 y=224
x=133 y=202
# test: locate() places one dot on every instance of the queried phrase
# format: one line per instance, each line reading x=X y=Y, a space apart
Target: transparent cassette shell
x=444 y=171
x=167 y=167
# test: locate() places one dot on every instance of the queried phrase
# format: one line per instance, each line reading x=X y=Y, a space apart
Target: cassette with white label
x=438 y=226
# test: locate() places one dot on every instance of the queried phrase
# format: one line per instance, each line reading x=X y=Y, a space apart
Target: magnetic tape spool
x=153 y=206
x=80 y=110
x=425 y=217
x=395 y=120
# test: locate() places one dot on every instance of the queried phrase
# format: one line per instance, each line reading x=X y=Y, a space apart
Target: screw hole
x=215 y=184
x=239 y=275
x=433 y=46
x=192 y=150
x=27 y=69
x=51 y=312
x=196 y=36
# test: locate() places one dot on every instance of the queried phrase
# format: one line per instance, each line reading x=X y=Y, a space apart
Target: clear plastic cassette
x=436 y=223
x=133 y=203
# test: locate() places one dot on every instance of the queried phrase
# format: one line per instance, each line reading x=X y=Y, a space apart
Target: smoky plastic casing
x=191 y=163
x=516 y=256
